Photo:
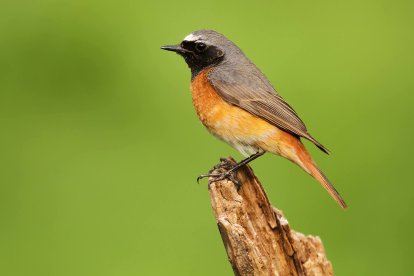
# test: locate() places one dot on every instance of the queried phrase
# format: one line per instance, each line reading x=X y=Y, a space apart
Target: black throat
x=197 y=69
x=198 y=61
x=197 y=65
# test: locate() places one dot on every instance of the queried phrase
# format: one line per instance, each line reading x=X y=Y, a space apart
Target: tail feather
x=291 y=147
x=301 y=157
x=321 y=178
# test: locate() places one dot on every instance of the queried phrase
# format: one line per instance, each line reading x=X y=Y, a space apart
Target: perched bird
x=236 y=103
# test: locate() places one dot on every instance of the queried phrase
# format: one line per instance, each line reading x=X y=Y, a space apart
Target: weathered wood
x=257 y=237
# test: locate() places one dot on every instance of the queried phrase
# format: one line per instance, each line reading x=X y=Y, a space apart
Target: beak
x=174 y=48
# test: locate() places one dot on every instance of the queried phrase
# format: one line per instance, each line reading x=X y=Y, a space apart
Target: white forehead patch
x=192 y=37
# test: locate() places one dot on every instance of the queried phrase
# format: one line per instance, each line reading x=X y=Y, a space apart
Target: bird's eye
x=200 y=47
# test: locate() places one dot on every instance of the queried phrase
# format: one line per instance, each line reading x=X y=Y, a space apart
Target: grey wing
x=253 y=93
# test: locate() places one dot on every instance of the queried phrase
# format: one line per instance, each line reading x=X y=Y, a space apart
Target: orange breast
x=244 y=131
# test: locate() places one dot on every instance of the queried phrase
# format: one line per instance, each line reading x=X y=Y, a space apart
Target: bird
x=236 y=102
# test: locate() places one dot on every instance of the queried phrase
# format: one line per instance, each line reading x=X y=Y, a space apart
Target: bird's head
x=202 y=49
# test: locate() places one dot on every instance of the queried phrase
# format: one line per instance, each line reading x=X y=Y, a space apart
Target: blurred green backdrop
x=100 y=145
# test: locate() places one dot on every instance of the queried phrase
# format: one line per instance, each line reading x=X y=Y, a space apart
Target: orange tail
x=318 y=175
x=309 y=165
x=293 y=149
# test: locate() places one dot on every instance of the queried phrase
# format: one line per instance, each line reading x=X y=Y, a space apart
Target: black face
x=197 y=54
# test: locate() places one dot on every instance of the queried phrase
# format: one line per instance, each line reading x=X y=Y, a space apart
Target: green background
x=100 y=145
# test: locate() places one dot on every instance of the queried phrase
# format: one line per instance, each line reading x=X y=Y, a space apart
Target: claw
x=220 y=176
x=201 y=177
x=211 y=175
x=230 y=169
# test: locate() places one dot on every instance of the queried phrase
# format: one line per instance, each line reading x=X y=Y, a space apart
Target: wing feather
x=253 y=93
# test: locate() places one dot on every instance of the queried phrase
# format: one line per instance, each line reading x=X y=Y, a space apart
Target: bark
x=257 y=236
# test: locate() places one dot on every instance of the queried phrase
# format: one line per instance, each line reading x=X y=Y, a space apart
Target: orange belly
x=242 y=130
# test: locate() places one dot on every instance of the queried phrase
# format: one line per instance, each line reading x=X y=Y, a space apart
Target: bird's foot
x=230 y=175
x=226 y=172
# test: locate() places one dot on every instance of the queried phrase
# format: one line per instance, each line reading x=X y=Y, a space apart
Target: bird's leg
x=229 y=172
x=246 y=161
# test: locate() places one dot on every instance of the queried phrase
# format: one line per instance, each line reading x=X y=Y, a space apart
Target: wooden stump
x=257 y=237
